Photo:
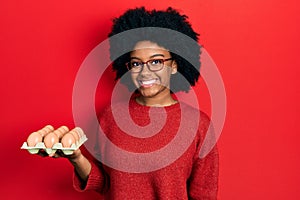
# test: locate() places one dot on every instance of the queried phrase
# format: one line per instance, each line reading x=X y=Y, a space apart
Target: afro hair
x=170 y=19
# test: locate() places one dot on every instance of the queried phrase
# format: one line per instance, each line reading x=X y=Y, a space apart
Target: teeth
x=149 y=82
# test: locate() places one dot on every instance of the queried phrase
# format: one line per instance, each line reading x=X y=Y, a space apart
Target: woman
x=155 y=73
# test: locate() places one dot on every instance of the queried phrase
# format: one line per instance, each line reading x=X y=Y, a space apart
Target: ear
x=174 y=67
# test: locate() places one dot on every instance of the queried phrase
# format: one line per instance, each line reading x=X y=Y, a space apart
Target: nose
x=145 y=70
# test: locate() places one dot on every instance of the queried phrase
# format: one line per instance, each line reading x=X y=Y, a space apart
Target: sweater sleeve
x=96 y=180
x=203 y=181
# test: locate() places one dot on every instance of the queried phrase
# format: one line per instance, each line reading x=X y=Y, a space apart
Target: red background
x=254 y=43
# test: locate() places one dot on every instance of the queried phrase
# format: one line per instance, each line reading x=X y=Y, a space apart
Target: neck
x=157 y=101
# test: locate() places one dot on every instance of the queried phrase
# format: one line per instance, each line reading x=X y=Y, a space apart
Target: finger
x=55 y=156
x=60 y=153
x=42 y=153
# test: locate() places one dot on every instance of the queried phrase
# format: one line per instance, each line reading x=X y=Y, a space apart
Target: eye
x=156 y=62
x=135 y=64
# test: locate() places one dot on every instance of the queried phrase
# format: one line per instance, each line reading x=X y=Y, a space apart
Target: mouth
x=147 y=83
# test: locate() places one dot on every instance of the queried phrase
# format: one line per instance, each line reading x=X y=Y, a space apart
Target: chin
x=152 y=91
x=148 y=93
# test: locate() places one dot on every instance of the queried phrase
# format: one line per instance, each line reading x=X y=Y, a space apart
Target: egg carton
x=57 y=146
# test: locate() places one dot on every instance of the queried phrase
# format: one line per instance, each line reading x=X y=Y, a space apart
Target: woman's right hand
x=81 y=164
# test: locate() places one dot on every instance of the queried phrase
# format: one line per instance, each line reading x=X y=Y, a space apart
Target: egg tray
x=57 y=146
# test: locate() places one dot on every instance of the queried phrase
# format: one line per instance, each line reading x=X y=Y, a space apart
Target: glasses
x=153 y=65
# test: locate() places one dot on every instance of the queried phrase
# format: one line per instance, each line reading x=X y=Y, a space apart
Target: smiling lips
x=147 y=83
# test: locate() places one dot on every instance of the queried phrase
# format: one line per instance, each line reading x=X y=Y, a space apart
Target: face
x=152 y=84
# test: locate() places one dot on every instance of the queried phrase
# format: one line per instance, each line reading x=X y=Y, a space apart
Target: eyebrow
x=155 y=55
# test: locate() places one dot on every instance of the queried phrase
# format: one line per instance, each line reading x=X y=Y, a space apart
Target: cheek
x=165 y=76
x=134 y=78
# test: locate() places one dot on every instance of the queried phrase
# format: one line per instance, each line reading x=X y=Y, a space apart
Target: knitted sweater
x=161 y=165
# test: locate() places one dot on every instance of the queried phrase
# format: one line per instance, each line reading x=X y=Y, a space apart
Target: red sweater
x=171 y=172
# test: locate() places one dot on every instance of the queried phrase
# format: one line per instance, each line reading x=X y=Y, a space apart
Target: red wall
x=254 y=43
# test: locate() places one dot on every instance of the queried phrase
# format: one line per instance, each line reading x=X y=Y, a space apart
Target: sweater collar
x=143 y=108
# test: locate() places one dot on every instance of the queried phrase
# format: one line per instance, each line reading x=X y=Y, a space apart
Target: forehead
x=147 y=48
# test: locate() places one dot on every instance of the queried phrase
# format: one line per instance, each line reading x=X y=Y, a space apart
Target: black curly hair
x=146 y=23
